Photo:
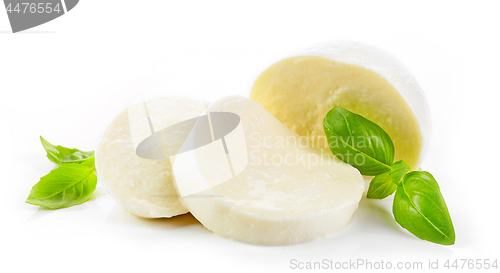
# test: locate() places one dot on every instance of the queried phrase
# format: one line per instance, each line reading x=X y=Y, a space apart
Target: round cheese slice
x=301 y=89
x=263 y=183
x=144 y=187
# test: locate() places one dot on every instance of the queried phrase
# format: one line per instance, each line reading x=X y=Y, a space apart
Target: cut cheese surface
x=144 y=187
x=289 y=192
x=299 y=91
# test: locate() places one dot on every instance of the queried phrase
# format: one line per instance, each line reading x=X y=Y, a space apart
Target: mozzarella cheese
x=290 y=192
x=300 y=90
x=144 y=187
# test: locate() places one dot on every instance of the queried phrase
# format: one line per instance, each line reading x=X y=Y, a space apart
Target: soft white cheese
x=144 y=187
x=288 y=193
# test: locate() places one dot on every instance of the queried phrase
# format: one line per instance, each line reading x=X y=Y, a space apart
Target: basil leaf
x=381 y=186
x=419 y=207
x=398 y=170
x=61 y=155
x=66 y=186
x=358 y=141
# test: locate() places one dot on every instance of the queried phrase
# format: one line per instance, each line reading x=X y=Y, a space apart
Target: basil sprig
x=418 y=205
x=72 y=183
x=60 y=155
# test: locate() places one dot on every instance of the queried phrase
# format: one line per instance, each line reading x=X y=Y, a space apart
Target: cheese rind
x=144 y=187
x=290 y=192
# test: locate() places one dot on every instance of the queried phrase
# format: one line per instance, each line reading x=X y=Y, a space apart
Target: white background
x=66 y=80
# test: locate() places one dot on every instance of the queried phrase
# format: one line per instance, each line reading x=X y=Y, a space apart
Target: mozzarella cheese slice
x=289 y=192
x=144 y=187
x=300 y=90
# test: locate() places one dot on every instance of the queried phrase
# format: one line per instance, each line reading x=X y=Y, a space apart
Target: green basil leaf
x=61 y=155
x=381 y=186
x=419 y=207
x=66 y=186
x=358 y=141
x=398 y=170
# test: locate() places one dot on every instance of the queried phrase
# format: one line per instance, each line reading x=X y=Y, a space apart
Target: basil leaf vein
x=398 y=171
